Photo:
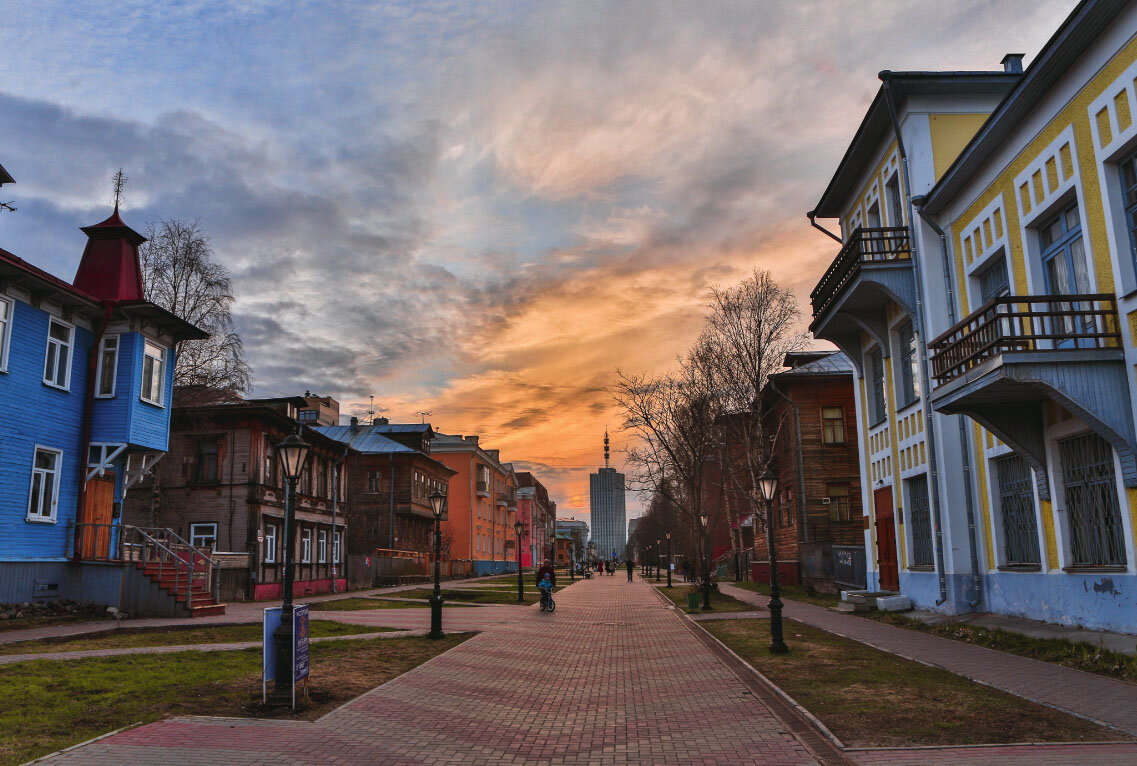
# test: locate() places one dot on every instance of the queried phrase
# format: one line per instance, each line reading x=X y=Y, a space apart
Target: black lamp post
x=768 y=485
x=518 y=526
x=293 y=453
x=437 y=505
x=705 y=520
x=657 y=557
x=667 y=534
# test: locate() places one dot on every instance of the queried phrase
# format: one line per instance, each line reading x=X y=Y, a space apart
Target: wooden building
x=221 y=488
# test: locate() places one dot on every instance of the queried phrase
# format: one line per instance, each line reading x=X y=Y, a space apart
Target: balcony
x=483 y=489
x=873 y=269
x=1002 y=364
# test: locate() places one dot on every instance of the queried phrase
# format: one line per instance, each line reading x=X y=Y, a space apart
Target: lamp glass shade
x=703 y=518
x=293 y=452
x=768 y=485
x=437 y=501
x=667 y=535
x=517 y=525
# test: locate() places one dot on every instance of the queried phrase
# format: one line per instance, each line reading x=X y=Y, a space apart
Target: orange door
x=98 y=511
x=886 y=540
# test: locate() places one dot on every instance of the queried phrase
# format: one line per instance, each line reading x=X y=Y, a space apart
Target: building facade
x=538 y=513
x=481 y=504
x=606 y=502
x=86 y=369
x=984 y=292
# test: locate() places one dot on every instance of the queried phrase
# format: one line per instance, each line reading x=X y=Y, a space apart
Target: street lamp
x=518 y=526
x=293 y=453
x=768 y=486
x=437 y=505
x=657 y=555
x=705 y=519
x=667 y=534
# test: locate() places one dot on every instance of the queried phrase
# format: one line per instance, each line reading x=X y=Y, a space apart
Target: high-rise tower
x=609 y=524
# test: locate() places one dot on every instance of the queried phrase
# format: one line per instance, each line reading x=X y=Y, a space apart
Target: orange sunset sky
x=476 y=209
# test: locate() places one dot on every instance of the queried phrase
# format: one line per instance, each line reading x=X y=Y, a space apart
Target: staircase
x=172 y=578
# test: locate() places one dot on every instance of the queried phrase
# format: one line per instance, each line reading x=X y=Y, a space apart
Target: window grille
x=1096 y=534
x=1016 y=505
x=921 y=518
x=876 y=363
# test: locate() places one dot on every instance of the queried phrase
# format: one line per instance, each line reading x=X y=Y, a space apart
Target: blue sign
x=268 y=651
x=299 y=643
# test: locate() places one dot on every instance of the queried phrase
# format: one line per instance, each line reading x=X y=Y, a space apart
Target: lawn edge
x=86 y=742
x=808 y=721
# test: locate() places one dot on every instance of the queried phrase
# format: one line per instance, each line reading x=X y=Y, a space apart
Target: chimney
x=1013 y=63
x=354 y=423
x=380 y=421
x=472 y=439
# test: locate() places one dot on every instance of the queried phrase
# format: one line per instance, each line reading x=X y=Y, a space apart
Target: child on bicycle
x=546 y=587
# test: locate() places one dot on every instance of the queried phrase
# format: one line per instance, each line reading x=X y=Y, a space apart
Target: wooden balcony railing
x=863 y=246
x=1025 y=323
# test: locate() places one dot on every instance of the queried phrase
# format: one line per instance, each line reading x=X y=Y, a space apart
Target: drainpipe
x=963 y=442
x=85 y=428
x=335 y=497
x=929 y=422
x=812 y=215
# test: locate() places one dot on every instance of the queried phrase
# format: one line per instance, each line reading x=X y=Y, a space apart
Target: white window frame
x=270 y=547
x=69 y=347
x=306 y=546
x=114 y=366
x=193 y=533
x=37 y=474
x=6 y=330
x=322 y=546
x=336 y=547
x=148 y=346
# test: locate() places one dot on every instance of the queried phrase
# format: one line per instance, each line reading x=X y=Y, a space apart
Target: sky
x=477 y=209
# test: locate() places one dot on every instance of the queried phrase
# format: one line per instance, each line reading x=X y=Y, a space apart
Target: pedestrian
x=629 y=565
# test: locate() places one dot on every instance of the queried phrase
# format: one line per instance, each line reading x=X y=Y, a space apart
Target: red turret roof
x=109 y=270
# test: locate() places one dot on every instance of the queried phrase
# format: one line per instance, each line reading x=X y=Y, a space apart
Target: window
x=1016 y=507
x=921 y=517
x=306 y=416
x=1097 y=536
x=323 y=480
x=269 y=475
x=207 y=460
x=44 y=496
x=203 y=535
x=832 y=425
x=993 y=280
x=322 y=546
x=374 y=482
x=7 y=308
x=306 y=546
x=108 y=362
x=876 y=395
x=336 y=547
x=270 y=544
x=1064 y=264
x=57 y=365
x=909 y=364
x=895 y=204
x=838 y=502
x=1128 y=168
x=153 y=363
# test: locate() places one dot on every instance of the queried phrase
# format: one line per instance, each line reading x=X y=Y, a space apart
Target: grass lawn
x=359 y=604
x=1073 y=654
x=49 y=705
x=794 y=593
x=479 y=595
x=870 y=698
x=188 y=635
x=719 y=601
x=43 y=621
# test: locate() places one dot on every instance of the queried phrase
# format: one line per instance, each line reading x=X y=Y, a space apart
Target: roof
x=259 y=408
x=14 y=266
x=877 y=123
x=368 y=440
x=831 y=363
x=4 y=177
x=1071 y=39
x=403 y=428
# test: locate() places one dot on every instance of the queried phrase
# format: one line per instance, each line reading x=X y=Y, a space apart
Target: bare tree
x=750 y=328
x=180 y=275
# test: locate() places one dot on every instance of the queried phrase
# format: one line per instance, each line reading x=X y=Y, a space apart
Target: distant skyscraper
x=609 y=525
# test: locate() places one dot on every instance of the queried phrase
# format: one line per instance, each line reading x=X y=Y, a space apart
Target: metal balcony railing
x=1025 y=323
x=875 y=245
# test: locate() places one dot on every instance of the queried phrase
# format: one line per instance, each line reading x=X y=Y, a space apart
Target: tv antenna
x=423 y=414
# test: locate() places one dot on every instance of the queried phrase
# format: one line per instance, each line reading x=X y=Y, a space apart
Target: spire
x=605 y=447
x=109 y=269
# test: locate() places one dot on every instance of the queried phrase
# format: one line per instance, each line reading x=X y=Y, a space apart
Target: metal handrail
x=872 y=245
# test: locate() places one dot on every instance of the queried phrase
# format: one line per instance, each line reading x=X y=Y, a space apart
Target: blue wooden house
x=86 y=377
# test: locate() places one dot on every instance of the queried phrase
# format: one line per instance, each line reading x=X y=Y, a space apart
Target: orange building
x=481 y=504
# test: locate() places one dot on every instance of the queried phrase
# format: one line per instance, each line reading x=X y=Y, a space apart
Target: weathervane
x=119 y=183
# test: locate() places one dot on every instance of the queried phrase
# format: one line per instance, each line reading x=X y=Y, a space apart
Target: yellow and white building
x=987 y=287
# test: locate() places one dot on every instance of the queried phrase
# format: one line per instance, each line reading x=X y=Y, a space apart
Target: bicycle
x=547 y=602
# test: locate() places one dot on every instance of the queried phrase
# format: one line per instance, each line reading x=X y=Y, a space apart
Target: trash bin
x=694 y=600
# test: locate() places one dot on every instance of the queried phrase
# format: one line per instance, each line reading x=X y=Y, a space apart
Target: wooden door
x=886 y=540
x=98 y=512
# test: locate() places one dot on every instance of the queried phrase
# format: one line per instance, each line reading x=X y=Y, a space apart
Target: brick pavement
x=612 y=677
x=1100 y=699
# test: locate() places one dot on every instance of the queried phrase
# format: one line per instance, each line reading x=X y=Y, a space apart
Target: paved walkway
x=614 y=676
x=1100 y=699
